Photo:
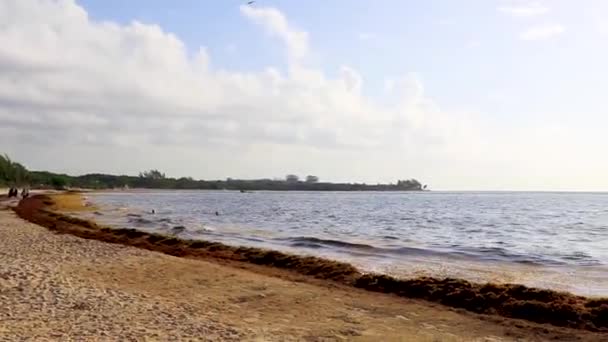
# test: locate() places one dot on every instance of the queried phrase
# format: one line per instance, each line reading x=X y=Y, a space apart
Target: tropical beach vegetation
x=14 y=173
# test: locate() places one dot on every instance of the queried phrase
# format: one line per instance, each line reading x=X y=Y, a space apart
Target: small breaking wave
x=138 y=220
x=357 y=248
x=178 y=229
x=313 y=242
x=480 y=253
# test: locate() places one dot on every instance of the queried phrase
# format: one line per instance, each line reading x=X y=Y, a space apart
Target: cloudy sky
x=471 y=95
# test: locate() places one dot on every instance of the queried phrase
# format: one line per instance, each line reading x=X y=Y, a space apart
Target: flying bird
x=250 y=2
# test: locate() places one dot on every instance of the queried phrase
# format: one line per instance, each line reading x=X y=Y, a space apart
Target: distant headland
x=15 y=174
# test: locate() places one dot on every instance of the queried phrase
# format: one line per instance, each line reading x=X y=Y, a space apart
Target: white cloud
x=276 y=24
x=524 y=9
x=352 y=80
x=67 y=80
x=542 y=32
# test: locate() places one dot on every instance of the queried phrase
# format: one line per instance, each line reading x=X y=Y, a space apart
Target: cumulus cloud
x=524 y=9
x=66 y=77
x=276 y=24
x=542 y=32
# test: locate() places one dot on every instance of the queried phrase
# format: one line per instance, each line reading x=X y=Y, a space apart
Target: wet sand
x=58 y=286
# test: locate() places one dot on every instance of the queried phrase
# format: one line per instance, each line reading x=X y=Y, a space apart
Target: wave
x=479 y=253
x=178 y=229
x=502 y=254
x=313 y=242
x=138 y=220
x=317 y=243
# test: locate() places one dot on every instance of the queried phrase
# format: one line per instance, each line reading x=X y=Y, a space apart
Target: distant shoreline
x=18 y=175
x=134 y=190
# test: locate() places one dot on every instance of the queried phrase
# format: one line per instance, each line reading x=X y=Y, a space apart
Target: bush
x=59 y=183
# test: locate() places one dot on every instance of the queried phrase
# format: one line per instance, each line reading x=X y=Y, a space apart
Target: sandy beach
x=60 y=287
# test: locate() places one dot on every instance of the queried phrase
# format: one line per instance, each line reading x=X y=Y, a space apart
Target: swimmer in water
x=217 y=213
x=153 y=212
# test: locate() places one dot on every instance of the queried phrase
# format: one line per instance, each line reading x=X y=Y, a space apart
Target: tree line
x=15 y=174
x=12 y=173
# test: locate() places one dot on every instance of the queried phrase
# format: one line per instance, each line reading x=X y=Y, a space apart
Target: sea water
x=543 y=239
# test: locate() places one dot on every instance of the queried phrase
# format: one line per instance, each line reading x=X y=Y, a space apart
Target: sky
x=462 y=95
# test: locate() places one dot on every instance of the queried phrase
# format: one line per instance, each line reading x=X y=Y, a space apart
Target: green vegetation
x=12 y=173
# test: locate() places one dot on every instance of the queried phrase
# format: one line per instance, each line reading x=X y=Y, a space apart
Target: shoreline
x=508 y=300
x=367 y=256
x=61 y=287
x=389 y=245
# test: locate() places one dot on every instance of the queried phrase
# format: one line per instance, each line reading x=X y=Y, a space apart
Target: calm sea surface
x=557 y=240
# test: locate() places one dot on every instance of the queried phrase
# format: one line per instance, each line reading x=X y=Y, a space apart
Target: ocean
x=541 y=239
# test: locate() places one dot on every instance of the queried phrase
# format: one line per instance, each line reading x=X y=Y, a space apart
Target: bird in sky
x=250 y=2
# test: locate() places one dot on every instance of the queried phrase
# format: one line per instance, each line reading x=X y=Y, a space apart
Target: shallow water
x=555 y=240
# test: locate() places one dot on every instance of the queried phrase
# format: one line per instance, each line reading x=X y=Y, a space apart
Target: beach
x=60 y=287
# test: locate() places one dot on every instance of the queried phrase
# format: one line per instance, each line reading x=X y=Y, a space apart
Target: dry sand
x=60 y=287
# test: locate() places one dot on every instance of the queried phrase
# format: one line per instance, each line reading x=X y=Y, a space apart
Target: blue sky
x=502 y=94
